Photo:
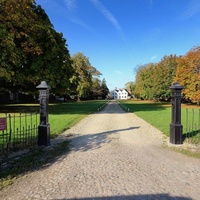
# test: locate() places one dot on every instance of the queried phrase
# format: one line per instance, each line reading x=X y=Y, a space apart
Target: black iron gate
x=18 y=131
x=191 y=125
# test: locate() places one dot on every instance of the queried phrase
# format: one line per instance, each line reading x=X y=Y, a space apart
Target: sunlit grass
x=61 y=115
x=159 y=115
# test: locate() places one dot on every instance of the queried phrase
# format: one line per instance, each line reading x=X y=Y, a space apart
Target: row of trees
x=130 y=87
x=154 y=79
x=31 y=50
x=85 y=82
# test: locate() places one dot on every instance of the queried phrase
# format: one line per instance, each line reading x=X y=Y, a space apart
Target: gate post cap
x=176 y=86
x=43 y=85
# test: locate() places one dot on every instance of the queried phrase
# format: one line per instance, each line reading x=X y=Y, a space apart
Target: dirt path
x=114 y=155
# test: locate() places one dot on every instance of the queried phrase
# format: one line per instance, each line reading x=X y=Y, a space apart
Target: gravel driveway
x=114 y=155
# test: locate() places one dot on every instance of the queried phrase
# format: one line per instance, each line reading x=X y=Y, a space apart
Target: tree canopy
x=154 y=79
x=85 y=81
x=130 y=86
x=188 y=74
x=31 y=49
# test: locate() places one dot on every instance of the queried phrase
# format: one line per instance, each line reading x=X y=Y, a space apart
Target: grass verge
x=159 y=115
x=155 y=113
x=61 y=115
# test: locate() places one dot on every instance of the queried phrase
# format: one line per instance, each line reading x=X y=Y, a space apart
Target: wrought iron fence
x=191 y=125
x=17 y=131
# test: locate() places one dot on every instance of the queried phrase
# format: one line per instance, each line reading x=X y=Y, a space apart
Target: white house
x=120 y=94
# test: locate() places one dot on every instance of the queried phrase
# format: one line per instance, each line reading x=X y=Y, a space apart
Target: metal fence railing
x=191 y=125
x=17 y=131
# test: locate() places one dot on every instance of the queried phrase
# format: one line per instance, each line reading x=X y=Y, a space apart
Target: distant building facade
x=120 y=94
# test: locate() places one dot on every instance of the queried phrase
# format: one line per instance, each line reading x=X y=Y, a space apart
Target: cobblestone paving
x=114 y=155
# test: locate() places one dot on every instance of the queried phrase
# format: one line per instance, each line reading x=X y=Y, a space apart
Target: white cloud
x=79 y=22
x=66 y=8
x=153 y=57
x=52 y=5
x=152 y=35
x=108 y=15
x=192 y=9
x=71 y=5
x=118 y=72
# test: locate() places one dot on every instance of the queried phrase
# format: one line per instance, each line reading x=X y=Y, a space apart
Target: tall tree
x=84 y=72
x=144 y=85
x=130 y=86
x=164 y=74
x=188 y=74
x=153 y=80
x=104 y=89
x=30 y=48
x=96 y=88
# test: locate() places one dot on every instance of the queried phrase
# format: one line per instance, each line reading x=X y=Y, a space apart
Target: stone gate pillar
x=44 y=127
x=176 y=128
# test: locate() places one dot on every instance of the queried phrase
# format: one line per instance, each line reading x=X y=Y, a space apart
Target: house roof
x=120 y=90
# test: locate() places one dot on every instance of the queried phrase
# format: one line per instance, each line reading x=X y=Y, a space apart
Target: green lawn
x=159 y=115
x=61 y=115
x=64 y=115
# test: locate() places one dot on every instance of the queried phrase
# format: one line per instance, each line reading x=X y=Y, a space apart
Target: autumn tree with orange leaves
x=188 y=74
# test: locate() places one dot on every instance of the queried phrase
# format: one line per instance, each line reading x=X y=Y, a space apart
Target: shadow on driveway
x=134 y=197
x=95 y=141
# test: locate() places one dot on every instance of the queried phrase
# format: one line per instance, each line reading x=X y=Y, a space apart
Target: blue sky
x=119 y=35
